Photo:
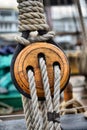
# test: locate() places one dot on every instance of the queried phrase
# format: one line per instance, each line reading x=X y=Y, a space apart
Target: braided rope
x=56 y=100
x=32 y=18
x=46 y=89
x=38 y=38
x=56 y=88
x=44 y=114
x=35 y=105
x=31 y=113
x=47 y=94
x=27 y=111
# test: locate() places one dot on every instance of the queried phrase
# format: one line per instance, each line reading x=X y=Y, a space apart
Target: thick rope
x=56 y=100
x=32 y=18
x=34 y=98
x=27 y=112
x=46 y=90
x=47 y=94
x=38 y=38
x=44 y=114
x=31 y=113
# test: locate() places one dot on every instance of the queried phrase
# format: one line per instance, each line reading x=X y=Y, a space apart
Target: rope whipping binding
x=32 y=18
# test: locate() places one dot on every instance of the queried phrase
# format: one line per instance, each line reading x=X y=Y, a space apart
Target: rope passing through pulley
x=29 y=59
x=40 y=71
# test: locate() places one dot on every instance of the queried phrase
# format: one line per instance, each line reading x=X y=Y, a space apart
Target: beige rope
x=38 y=38
x=77 y=107
x=32 y=18
x=27 y=110
x=34 y=98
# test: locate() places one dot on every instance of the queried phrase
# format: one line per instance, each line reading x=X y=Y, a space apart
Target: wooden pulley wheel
x=29 y=57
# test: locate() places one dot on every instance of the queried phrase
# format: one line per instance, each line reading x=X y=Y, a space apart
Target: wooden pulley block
x=29 y=57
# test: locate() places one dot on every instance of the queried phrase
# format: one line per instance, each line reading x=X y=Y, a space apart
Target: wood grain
x=28 y=57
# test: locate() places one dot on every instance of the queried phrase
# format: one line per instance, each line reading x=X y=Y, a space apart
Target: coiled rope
x=32 y=18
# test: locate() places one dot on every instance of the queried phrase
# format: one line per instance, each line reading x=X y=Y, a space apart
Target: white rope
x=31 y=113
x=44 y=124
x=35 y=105
x=47 y=92
x=44 y=114
x=56 y=100
x=27 y=111
x=34 y=114
x=32 y=18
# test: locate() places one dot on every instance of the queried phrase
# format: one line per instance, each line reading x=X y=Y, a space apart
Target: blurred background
x=68 y=19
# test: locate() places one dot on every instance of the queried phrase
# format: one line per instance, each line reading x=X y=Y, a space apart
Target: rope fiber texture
x=56 y=100
x=38 y=113
x=77 y=107
x=46 y=89
x=32 y=18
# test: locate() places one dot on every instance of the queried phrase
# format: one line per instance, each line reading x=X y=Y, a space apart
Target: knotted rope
x=32 y=18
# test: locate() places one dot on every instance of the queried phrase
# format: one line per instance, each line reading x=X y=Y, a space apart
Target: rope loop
x=40 y=119
x=32 y=18
x=38 y=38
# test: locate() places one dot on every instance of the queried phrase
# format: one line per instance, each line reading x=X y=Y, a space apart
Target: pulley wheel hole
x=56 y=64
x=29 y=68
x=41 y=55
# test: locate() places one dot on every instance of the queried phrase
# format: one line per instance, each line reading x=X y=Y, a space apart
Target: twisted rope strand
x=27 y=112
x=31 y=113
x=32 y=18
x=35 y=103
x=44 y=114
x=31 y=14
x=44 y=37
x=32 y=86
x=56 y=99
x=46 y=90
x=57 y=78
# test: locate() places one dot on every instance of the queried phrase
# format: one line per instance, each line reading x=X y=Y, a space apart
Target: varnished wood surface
x=68 y=94
x=29 y=57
